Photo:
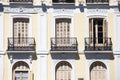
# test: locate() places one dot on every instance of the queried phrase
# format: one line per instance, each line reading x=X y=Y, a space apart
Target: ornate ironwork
x=98 y=44
x=64 y=44
x=21 y=44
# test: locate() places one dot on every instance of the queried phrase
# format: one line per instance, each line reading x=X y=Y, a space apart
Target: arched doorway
x=63 y=71
x=98 y=71
x=20 y=71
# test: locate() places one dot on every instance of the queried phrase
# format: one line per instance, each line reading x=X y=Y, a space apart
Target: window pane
x=100 y=28
x=17 y=75
x=100 y=35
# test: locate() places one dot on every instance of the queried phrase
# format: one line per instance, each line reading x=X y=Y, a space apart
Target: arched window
x=20 y=71
x=63 y=71
x=98 y=71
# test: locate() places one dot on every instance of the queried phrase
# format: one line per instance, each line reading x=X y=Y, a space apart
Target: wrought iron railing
x=63 y=1
x=64 y=44
x=21 y=44
x=98 y=44
x=97 y=1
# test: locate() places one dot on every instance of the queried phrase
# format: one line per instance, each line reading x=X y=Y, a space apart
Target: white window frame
x=71 y=17
x=29 y=16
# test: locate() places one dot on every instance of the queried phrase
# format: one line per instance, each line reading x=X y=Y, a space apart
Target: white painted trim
x=12 y=16
x=116 y=47
x=2 y=67
x=42 y=67
x=117 y=66
x=89 y=63
x=42 y=32
x=72 y=62
x=1 y=32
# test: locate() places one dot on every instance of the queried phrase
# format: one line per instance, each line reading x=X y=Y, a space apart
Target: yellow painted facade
x=44 y=62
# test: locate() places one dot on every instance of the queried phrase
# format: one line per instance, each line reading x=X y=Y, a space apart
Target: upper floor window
x=63 y=1
x=97 y=1
x=22 y=1
x=98 y=30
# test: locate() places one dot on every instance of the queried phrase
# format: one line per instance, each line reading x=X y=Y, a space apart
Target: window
x=63 y=71
x=21 y=75
x=98 y=30
x=98 y=71
x=62 y=31
x=20 y=71
x=20 y=31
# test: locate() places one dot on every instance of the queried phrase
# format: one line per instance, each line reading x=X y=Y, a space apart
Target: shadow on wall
x=108 y=56
x=65 y=56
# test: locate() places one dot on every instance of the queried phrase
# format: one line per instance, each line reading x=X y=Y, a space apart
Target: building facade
x=59 y=39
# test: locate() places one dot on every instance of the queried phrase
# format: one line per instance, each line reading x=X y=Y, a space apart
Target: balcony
x=98 y=44
x=21 y=44
x=97 y=1
x=63 y=44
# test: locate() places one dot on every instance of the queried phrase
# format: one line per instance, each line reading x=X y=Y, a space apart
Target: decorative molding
x=116 y=10
x=63 y=11
x=98 y=11
x=23 y=10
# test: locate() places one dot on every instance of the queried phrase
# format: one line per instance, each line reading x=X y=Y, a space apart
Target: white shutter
x=63 y=71
x=98 y=72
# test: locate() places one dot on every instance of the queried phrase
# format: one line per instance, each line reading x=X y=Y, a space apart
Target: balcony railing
x=98 y=44
x=97 y=1
x=21 y=44
x=64 y=44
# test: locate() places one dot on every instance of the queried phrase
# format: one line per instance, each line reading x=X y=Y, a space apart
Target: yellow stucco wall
x=80 y=27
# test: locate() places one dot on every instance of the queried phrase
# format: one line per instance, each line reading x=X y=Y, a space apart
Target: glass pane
x=17 y=75
x=25 y=75
x=100 y=28
x=100 y=35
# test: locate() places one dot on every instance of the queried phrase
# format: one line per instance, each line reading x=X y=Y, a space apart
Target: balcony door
x=98 y=31
x=62 y=31
x=20 y=31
